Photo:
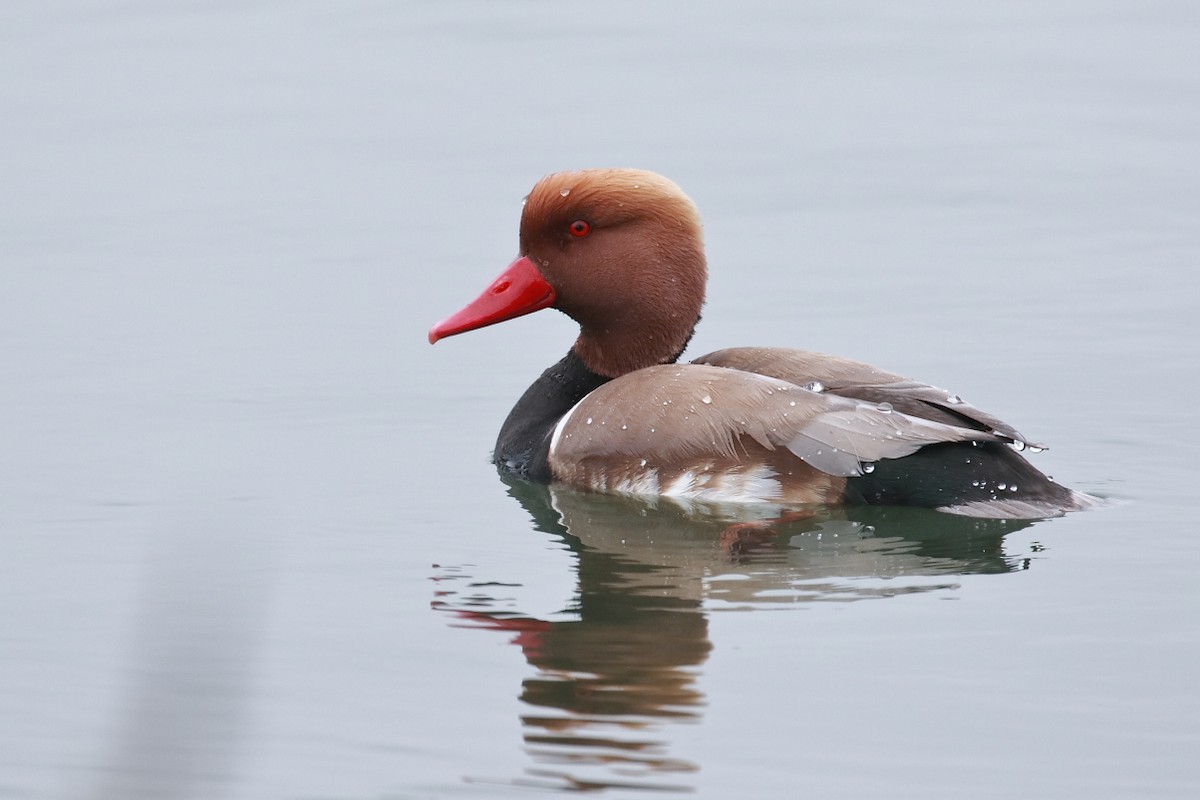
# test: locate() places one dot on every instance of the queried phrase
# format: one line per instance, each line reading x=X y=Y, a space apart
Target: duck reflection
x=649 y=570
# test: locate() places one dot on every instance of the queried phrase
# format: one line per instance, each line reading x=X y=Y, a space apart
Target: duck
x=621 y=252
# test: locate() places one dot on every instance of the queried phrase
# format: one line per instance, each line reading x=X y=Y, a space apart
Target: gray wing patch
x=923 y=400
x=841 y=442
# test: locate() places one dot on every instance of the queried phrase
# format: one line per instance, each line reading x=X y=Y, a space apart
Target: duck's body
x=621 y=252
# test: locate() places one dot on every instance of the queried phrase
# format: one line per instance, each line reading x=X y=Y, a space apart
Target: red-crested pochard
x=621 y=252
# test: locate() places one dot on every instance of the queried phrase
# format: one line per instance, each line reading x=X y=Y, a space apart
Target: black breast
x=523 y=446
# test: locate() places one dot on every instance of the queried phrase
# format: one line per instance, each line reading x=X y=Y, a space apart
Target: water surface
x=252 y=543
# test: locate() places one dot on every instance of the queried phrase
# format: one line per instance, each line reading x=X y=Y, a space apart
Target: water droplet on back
x=706 y=399
x=868 y=468
x=885 y=407
x=814 y=386
x=953 y=399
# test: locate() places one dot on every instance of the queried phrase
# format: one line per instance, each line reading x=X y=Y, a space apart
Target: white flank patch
x=683 y=486
x=558 y=429
x=645 y=483
x=754 y=484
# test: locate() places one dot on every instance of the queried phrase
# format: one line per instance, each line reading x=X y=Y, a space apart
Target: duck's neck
x=616 y=350
x=523 y=446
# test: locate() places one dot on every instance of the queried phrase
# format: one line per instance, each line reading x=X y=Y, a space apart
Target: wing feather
x=673 y=413
x=855 y=379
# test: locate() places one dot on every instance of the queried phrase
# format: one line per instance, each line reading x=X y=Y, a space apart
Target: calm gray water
x=250 y=542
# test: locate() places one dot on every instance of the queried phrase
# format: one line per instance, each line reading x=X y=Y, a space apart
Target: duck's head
x=620 y=251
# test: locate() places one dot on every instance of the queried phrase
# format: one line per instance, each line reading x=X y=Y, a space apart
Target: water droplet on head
x=1033 y=448
x=624 y=427
x=589 y=420
x=706 y=399
x=643 y=462
x=814 y=386
x=792 y=404
x=1018 y=445
x=564 y=191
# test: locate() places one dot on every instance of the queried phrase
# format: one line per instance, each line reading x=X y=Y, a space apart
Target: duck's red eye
x=580 y=228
